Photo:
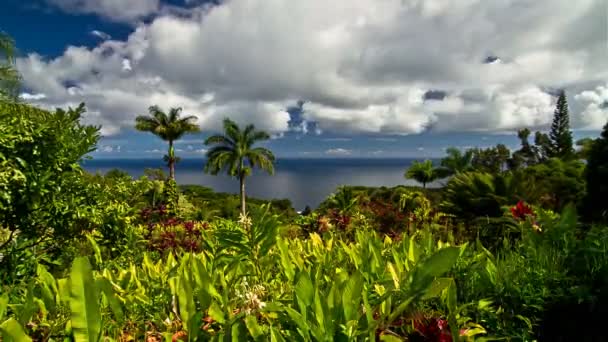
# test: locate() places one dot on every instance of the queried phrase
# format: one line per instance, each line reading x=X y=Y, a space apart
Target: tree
x=542 y=147
x=234 y=152
x=423 y=172
x=43 y=194
x=595 y=207
x=585 y=145
x=560 y=135
x=169 y=127
x=492 y=160
x=456 y=161
x=526 y=155
x=9 y=77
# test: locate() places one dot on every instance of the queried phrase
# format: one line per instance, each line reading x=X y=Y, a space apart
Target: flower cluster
x=521 y=211
x=251 y=297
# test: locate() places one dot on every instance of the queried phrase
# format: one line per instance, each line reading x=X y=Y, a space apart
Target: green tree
x=234 y=152
x=526 y=155
x=43 y=194
x=542 y=146
x=169 y=127
x=492 y=160
x=424 y=172
x=595 y=206
x=585 y=145
x=9 y=77
x=560 y=134
x=456 y=161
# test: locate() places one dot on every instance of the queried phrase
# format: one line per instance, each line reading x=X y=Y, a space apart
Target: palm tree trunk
x=171 y=161
x=243 y=207
x=424 y=185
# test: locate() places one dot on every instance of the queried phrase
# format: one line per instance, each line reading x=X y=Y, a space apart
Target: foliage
x=595 y=205
x=491 y=160
x=43 y=194
x=457 y=161
x=424 y=172
x=234 y=153
x=169 y=127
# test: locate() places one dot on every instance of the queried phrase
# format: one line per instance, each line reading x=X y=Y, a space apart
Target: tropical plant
x=423 y=172
x=491 y=160
x=457 y=161
x=234 y=152
x=169 y=127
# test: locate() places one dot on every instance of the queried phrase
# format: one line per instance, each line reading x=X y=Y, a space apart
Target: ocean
x=303 y=181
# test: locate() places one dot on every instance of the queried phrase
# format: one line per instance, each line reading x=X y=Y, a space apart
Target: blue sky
x=346 y=79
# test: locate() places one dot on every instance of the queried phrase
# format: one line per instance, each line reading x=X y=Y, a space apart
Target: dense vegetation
x=498 y=253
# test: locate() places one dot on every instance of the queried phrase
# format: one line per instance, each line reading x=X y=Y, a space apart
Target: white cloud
x=32 y=97
x=595 y=115
x=338 y=152
x=359 y=65
x=108 y=148
x=101 y=35
x=116 y=10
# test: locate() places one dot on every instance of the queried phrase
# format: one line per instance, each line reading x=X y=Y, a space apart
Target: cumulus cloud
x=595 y=115
x=393 y=67
x=116 y=10
x=32 y=97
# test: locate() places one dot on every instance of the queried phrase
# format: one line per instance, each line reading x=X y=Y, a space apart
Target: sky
x=328 y=79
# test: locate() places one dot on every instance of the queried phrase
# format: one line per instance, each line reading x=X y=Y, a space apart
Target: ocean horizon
x=304 y=181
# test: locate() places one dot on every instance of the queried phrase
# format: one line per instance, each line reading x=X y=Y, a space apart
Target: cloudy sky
x=340 y=78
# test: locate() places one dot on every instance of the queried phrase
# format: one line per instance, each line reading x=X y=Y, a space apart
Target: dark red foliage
x=521 y=211
x=433 y=330
x=166 y=233
x=389 y=219
x=339 y=220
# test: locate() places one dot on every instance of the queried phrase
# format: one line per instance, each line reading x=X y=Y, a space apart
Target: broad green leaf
x=238 y=332
x=216 y=313
x=390 y=338
x=304 y=290
x=185 y=298
x=84 y=302
x=351 y=297
x=275 y=335
x=254 y=328
x=106 y=288
x=3 y=304
x=13 y=332
x=439 y=263
x=437 y=287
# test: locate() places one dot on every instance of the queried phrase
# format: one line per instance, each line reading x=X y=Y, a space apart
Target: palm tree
x=169 y=127
x=234 y=153
x=456 y=161
x=424 y=172
x=9 y=77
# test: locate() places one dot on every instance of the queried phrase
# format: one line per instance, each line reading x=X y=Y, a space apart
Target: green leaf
x=13 y=332
x=437 y=287
x=390 y=338
x=275 y=335
x=439 y=263
x=351 y=297
x=106 y=288
x=304 y=290
x=3 y=305
x=254 y=328
x=84 y=304
x=216 y=313
x=185 y=298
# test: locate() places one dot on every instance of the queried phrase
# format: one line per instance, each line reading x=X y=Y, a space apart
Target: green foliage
x=457 y=161
x=595 y=205
x=491 y=160
x=424 y=172
x=474 y=194
x=84 y=305
x=43 y=195
x=234 y=153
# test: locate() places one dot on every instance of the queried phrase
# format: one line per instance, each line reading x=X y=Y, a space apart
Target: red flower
x=521 y=211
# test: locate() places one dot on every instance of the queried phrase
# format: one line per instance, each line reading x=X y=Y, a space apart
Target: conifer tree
x=560 y=135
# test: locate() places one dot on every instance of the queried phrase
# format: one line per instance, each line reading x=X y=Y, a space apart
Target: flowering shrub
x=167 y=233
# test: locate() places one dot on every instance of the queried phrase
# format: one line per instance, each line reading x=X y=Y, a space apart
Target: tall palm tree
x=423 y=172
x=9 y=77
x=234 y=153
x=169 y=127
